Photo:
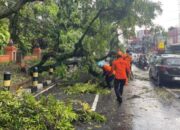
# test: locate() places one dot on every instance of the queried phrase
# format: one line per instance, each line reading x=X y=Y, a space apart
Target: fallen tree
x=113 y=15
x=80 y=29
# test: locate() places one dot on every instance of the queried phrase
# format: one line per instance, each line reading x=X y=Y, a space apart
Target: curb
x=41 y=87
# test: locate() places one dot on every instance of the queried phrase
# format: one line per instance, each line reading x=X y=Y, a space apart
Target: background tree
x=4 y=34
x=9 y=7
x=77 y=30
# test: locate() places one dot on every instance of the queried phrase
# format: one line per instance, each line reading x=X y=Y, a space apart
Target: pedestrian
x=125 y=57
x=120 y=67
x=129 y=60
x=129 y=57
x=109 y=75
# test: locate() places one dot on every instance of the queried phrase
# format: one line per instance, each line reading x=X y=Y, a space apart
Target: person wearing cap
x=125 y=57
x=107 y=72
x=129 y=60
x=129 y=57
x=120 y=67
x=109 y=75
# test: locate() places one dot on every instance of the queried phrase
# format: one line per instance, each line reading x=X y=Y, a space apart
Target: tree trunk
x=13 y=27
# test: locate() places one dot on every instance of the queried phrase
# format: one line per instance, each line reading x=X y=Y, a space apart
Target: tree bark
x=13 y=27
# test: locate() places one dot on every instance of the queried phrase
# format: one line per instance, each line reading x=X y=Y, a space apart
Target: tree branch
x=15 y=8
x=79 y=43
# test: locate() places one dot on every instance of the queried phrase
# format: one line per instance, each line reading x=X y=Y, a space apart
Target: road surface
x=144 y=107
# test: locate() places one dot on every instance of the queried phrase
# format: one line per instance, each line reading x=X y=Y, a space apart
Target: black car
x=165 y=68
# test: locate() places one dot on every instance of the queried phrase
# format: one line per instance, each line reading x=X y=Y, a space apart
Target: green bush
x=61 y=71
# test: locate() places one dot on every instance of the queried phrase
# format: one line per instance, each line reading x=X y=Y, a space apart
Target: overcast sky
x=170 y=13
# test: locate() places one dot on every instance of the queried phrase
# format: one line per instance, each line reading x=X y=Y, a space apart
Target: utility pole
x=179 y=11
x=179 y=22
x=178 y=2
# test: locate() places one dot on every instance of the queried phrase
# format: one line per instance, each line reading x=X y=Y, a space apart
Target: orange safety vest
x=120 y=67
x=128 y=59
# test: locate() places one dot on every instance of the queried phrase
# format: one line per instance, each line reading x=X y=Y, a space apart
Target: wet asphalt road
x=144 y=107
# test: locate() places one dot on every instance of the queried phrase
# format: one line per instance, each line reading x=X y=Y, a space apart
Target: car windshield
x=172 y=61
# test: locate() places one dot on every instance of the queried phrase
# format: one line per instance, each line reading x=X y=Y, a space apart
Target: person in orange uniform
x=120 y=67
x=109 y=75
x=129 y=58
x=125 y=57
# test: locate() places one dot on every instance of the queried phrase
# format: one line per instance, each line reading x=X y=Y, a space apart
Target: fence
x=12 y=55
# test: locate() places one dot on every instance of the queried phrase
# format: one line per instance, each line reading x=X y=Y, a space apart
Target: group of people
x=118 y=72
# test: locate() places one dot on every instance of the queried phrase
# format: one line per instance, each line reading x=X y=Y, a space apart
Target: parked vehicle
x=135 y=57
x=165 y=68
x=173 y=48
x=143 y=62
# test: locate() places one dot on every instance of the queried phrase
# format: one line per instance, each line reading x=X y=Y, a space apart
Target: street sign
x=161 y=45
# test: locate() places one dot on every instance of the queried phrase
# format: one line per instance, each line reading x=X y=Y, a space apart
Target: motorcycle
x=143 y=64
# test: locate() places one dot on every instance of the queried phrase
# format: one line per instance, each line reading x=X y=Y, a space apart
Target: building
x=143 y=33
x=137 y=44
x=173 y=35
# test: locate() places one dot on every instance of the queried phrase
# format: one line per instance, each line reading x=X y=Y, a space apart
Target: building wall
x=142 y=33
x=174 y=36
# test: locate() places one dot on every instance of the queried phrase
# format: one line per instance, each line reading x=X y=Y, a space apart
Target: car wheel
x=159 y=81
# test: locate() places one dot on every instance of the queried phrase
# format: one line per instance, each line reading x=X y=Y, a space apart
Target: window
x=172 y=61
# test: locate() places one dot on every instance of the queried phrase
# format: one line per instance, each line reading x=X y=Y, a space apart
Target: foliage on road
x=86 y=115
x=82 y=88
x=61 y=71
x=20 y=113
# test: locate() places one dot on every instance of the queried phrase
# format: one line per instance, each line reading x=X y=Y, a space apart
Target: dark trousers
x=109 y=81
x=118 y=87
